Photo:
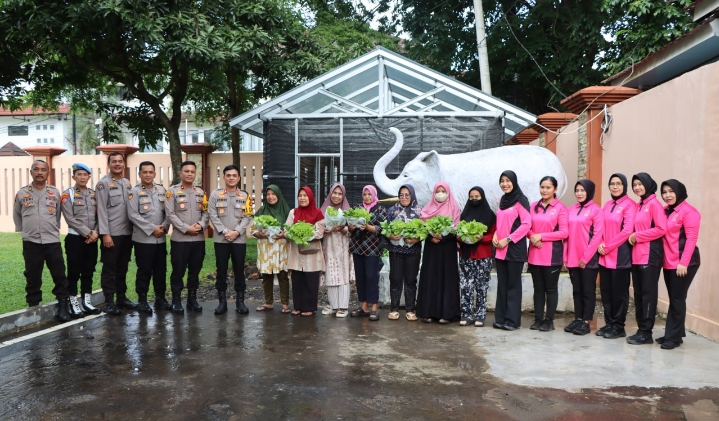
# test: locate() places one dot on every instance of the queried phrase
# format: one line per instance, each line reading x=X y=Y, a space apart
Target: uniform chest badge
x=112 y=185
x=51 y=209
x=26 y=196
x=553 y=211
x=182 y=206
x=145 y=207
x=221 y=211
x=79 y=202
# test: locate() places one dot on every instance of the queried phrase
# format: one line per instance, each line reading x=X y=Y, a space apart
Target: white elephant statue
x=465 y=170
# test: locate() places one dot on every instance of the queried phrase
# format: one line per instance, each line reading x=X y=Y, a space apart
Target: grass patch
x=12 y=266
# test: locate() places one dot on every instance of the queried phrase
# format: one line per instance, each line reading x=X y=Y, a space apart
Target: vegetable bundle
x=266 y=221
x=357 y=216
x=300 y=233
x=415 y=229
x=395 y=227
x=440 y=225
x=470 y=232
x=334 y=217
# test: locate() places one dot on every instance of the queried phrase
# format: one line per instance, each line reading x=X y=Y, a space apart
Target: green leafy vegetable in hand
x=415 y=229
x=394 y=227
x=440 y=225
x=470 y=232
x=300 y=233
x=266 y=221
x=332 y=211
x=358 y=212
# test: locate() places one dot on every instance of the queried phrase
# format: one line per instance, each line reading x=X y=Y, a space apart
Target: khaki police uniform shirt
x=80 y=210
x=36 y=214
x=230 y=211
x=112 y=217
x=184 y=208
x=146 y=210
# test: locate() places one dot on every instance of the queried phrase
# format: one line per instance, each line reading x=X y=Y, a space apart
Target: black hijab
x=480 y=212
x=413 y=201
x=679 y=189
x=509 y=199
x=650 y=186
x=589 y=187
x=624 y=184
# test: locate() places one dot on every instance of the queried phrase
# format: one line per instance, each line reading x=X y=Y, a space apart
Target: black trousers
x=677 y=288
x=367 y=277
x=114 y=264
x=546 y=282
x=223 y=253
x=36 y=257
x=186 y=256
x=614 y=286
x=584 y=292
x=645 y=279
x=151 y=261
x=403 y=271
x=508 y=309
x=305 y=290
x=81 y=261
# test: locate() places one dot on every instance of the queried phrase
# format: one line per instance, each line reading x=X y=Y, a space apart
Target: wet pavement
x=275 y=366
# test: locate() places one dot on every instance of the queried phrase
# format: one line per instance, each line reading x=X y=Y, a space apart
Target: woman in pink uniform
x=681 y=258
x=647 y=256
x=586 y=231
x=615 y=259
x=546 y=252
x=513 y=222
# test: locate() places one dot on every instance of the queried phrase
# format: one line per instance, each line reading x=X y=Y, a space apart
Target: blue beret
x=76 y=167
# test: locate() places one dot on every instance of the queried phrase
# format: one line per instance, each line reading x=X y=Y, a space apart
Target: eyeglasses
x=616 y=184
x=405 y=196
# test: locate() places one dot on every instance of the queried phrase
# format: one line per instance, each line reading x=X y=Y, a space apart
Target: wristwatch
x=509 y=239
x=224 y=231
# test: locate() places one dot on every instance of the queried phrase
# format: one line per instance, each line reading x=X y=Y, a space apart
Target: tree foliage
x=574 y=43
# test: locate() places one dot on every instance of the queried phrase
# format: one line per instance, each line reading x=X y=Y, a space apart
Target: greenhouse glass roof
x=381 y=84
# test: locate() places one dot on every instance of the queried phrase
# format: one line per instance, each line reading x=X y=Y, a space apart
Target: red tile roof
x=62 y=109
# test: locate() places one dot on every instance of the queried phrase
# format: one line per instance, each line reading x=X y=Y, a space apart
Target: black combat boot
x=110 y=307
x=240 y=302
x=177 y=304
x=192 y=304
x=222 y=307
x=161 y=303
x=87 y=306
x=75 y=309
x=142 y=305
x=63 y=313
x=123 y=302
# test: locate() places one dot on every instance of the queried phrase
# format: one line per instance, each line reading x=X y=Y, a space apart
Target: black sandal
x=373 y=315
x=359 y=312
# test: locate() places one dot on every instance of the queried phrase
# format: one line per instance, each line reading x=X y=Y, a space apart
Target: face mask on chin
x=441 y=197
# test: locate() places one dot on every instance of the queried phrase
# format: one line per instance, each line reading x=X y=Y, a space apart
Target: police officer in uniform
x=79 y=207
x=115 y=230
x=37 y=218
x=146 y=209
x=230 y=213
x=186 y=209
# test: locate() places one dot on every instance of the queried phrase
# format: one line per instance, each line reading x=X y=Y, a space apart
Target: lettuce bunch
x=394 y=227
x=440 y=225
x=266 y=221
x=300 y=233
x=357 y=216
x=415 y=229
x=470 y=232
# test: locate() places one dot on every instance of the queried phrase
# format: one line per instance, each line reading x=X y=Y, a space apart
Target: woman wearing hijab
x=615 y=257
x=647 y=256
x=366 y=252
x=338 y=260
x=272 y=257
x=585 y=221
x=681 y=258
x=475 y=260
x=404 y=260
x=513 y=222
x=546 y=252
x=306 y=268
x=438 y=292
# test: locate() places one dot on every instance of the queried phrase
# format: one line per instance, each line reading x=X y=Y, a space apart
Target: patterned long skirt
x=474 y=276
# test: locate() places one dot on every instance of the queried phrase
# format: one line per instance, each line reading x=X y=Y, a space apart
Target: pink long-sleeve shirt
x=680 y=239
x=513 y=222
x=618 y=226
x=551 y=223
x=649 y=226
x=586 y=233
